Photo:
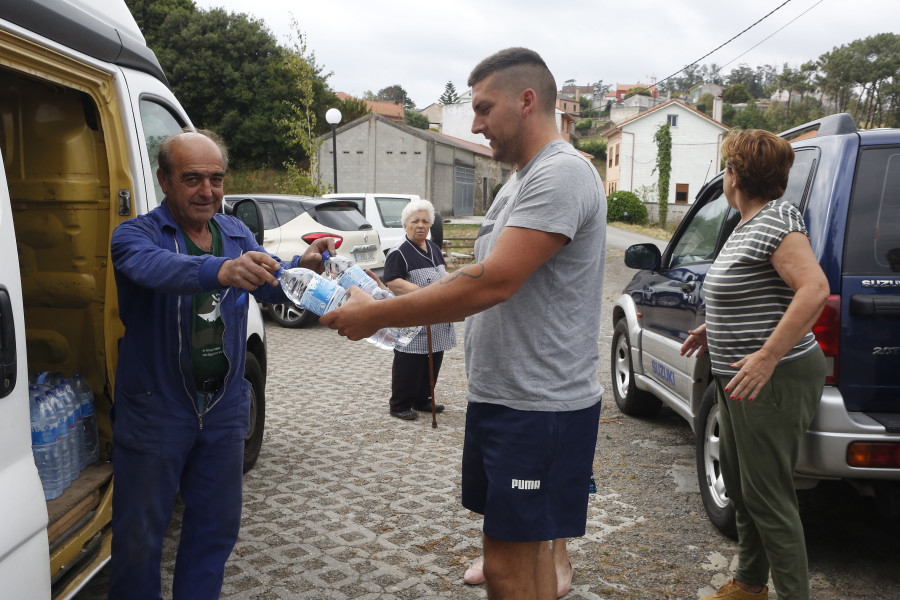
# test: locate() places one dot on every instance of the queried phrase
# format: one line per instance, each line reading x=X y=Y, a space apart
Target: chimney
x=717 y=109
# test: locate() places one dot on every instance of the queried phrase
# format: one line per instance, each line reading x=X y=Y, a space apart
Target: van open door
x=24 y=570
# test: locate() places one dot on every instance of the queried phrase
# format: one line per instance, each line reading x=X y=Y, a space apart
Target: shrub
x=595 y=146
x=626 y=207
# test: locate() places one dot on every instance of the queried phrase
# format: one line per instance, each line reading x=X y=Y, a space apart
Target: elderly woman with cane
x=415 y=263
x=764 y=292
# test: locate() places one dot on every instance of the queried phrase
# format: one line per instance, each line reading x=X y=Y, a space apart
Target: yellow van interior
x=58 y=138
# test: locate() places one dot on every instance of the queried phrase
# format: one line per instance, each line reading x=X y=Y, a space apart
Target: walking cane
x=431 y=380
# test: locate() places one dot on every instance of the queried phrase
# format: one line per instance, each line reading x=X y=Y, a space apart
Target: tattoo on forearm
x=472 y=271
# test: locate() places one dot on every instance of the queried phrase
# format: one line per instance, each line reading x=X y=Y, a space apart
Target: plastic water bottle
x=348 y=273
x=65 y=439
x=307 y=289
x=88 y=418
x=45 y=443
x=74 y=423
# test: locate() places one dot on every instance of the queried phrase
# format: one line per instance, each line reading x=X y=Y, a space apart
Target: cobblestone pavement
x=347 y=502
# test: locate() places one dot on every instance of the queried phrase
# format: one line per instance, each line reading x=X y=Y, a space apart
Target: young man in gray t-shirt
x=533 y=299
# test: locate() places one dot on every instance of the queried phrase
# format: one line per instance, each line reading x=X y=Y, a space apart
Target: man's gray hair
x=415 y=206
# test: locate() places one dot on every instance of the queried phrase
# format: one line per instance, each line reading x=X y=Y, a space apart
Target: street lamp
x=333 y=116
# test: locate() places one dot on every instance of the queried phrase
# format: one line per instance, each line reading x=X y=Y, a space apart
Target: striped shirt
x=745 y=296
x=408 y=261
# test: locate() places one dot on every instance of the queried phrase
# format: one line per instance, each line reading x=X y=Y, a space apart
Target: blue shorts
x=528 y=472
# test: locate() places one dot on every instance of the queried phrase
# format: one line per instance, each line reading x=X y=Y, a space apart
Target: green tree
x=352 y=109
x=663 y=138
x=705 y=104
x=301 y=125
x=396 y=94
x=736 y=94
x=227 y=70
x=749 y=118
x=449 y=96
x=414 y=118
x=586 y=107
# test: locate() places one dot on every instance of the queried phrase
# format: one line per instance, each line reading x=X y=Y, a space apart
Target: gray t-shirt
x=539 y=349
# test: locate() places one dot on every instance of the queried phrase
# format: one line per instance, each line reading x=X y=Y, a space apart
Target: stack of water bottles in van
x=63 y=429
x=321 y=294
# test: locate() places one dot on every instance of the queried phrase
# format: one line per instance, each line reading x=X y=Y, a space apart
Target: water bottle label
x=320 y=294
x=43 y=436
x=356 y=276
x=87 y=408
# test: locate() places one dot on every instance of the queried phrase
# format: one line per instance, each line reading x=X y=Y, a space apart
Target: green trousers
x=759 y=444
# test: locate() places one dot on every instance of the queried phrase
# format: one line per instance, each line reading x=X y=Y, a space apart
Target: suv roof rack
x=836 y=124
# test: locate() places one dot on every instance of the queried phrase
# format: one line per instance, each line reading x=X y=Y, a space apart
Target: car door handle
x=688 y=286
x=870 y=305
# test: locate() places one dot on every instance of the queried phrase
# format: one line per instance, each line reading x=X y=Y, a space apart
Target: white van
x=83 y=107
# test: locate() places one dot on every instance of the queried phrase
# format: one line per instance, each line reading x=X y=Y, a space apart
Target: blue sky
x=422 y=45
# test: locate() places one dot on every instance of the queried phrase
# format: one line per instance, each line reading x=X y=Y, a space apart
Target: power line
x=724 y=44
x=769 y=36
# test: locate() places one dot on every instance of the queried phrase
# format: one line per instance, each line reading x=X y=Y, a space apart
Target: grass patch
x=255 y=181
x=652 y=230
x=461 y=230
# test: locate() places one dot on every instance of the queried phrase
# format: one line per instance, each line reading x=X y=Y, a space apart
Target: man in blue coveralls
x=182 y=405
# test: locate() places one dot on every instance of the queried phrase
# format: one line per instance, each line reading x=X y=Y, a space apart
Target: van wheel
x=437 y=230
x=291 y=315
x=709 y=471
x=253 y=442
x=629 y=399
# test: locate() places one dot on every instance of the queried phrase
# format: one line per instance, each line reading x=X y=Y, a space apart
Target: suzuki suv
x=846 y=182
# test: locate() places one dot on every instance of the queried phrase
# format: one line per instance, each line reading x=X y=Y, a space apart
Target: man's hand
x=249 y=271
x=356 y=319
x=312 y=258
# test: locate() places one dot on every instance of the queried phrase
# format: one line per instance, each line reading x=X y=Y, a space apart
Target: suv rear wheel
x=709 y=470
x=629 y=399
x=291 y=315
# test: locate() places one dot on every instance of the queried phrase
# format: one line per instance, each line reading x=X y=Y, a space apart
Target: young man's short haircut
x=521 y=68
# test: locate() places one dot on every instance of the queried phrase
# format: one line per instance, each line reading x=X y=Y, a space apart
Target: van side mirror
x=247 y=210
x=643 y=256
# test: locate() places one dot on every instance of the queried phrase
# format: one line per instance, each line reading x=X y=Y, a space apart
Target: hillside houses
x=631 y=151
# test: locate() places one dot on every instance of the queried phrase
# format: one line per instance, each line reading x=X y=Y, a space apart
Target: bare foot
x=475 y=574
x=564 y=580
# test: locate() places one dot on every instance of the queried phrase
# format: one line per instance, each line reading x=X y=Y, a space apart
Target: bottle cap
x=325 y=255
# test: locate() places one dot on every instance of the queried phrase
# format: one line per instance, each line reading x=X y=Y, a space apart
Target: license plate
x=364 y=257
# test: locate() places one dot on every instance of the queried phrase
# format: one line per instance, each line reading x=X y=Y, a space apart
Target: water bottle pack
x=62 y=409
x=321 y=294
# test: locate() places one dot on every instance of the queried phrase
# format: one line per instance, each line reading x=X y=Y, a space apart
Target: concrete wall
x=457 y=121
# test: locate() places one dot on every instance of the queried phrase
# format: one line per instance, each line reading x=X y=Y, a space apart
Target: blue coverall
x=162 y=444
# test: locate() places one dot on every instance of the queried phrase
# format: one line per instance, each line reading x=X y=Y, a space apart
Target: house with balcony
x=696 y=155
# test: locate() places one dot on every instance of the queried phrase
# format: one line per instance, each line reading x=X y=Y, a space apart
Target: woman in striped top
x=764 y=292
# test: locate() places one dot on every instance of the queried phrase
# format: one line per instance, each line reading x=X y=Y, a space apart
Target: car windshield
x=342 y=216
x=390 y=210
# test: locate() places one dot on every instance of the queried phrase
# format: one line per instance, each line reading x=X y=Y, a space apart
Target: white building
x=632 y=150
